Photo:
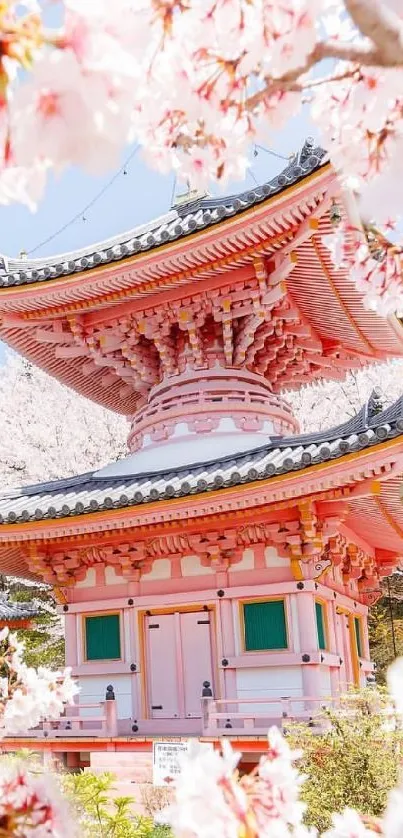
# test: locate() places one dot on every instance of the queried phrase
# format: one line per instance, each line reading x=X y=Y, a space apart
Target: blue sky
x=133 y=197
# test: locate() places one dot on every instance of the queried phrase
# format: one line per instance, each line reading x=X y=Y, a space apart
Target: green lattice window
x=265 y=626
x=358 y=636
x=102 y=637
x=321 y=624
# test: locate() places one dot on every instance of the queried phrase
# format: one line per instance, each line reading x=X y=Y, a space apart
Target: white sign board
x=167 y=757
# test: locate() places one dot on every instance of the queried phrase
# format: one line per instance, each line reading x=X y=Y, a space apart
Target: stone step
x=121 y=759
x=126 y=767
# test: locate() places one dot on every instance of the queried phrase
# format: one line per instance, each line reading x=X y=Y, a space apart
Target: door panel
x=195 y=630
x=163 y=699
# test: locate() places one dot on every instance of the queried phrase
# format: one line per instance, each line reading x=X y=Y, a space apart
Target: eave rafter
x=307 y=534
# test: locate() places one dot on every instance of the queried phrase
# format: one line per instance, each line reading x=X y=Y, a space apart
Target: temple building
x=219 y=576
x=16 y=615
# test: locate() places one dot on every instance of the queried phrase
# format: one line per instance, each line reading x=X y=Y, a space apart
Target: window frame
x=252 y=601
x=84 y=617
x=358 y=635
x=325 y=620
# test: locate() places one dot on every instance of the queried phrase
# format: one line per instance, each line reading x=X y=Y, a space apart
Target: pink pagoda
x=217 y=579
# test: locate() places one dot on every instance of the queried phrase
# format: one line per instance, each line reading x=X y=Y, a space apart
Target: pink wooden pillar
x=111 y=718
x=134 y=656
x=228 y=645
x=309 y=643
x=333 y=648
x=339 y=626
x=364 y=636
x=348 y=650
x=70 y=623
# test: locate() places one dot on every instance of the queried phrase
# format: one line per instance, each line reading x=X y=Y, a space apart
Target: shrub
x=354 y=763
x=101 y=816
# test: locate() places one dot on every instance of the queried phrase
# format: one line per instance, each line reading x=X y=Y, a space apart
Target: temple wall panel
x=93 y=689
x=89 y=580
x=246 y=563
x=268 y=682
x=161 y=569
x=274 y=559
x=325 y=682
x=111 y=577
x=306 y=659
x=192 y=566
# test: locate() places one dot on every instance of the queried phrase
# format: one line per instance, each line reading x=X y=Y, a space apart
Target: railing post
x=286 y=711
x=111 y=723
x=206 y=697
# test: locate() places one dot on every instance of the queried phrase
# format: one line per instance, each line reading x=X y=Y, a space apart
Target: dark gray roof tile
x=14 y=611
x=179 y=221
x=91 y=492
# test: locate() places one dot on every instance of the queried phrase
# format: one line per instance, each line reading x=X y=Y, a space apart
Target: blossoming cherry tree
x=196 y=82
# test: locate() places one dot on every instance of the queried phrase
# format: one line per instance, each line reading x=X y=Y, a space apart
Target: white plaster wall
x=192 y=566
x=273 y=559
x=89 y=580
x=161 y=569
x=268 y=682
x=247 y=562
x=325 y=685
x=111 y=577
x=93 y=688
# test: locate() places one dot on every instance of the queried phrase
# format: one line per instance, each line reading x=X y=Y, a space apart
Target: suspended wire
x=269 y=151
x=253 y=176
x=81 y=215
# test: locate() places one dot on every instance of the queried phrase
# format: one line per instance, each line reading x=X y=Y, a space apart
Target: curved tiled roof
x=90 y=492
x=178 y=223
x=12 y=611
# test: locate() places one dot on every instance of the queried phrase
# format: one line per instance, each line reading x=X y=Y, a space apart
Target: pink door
x=163 y=692
x=196 y=659
x=178 y=661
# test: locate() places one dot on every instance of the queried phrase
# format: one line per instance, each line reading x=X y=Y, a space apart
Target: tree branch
x=368 y=55
x=382 y=26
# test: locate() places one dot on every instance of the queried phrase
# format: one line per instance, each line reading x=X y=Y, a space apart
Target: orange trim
x=339 y=297
x=388 y=517
x=16 y=624
x=256 y=744
x=157 y=285
x=131 y=260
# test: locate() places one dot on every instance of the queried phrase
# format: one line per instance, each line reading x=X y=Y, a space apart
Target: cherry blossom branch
x=382 y=26
x=365 y=54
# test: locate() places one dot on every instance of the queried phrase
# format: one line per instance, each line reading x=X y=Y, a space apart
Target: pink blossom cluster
x=212 y=799
x=31 y=806
x=28 y=695
x=374 y=265
x=196 y=83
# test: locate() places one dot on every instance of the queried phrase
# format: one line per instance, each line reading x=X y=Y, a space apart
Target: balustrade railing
x=237 y=716
x=101 y=721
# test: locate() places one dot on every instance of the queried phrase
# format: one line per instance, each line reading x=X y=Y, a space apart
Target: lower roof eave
x=345 y=477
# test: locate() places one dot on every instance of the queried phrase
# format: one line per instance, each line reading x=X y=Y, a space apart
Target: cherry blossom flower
x=31 y=806
x=207 y=776
x=348 y=825
x=55 y=116
x=28 y=696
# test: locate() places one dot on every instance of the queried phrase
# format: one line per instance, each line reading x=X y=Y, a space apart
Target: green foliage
x=44 y=642
x=355 y=763
x=101 y=816
x=380 y=625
